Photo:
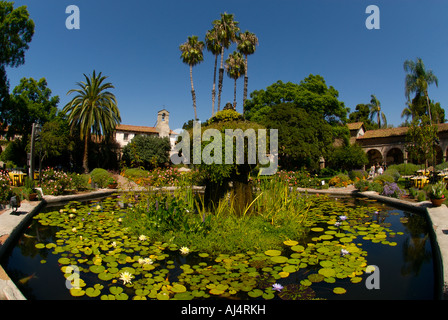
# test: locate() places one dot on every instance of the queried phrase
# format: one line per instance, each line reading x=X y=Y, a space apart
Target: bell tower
x=162 y=126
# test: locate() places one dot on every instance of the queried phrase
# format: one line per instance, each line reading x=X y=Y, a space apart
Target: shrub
x=392 y=190
x=55 y=182
x=421 y=196
x=5 y=188
x=405 y=169
x=341 y=180
x=360 y=174
x=362 y=185
x=394 y=173
x=375 y=186
x=100 y=177
x=79 y=181
x=381 y=179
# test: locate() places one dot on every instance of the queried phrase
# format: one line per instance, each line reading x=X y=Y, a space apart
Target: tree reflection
x=415 y=249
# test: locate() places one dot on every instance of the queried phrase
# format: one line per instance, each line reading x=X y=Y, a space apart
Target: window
x=125 y=136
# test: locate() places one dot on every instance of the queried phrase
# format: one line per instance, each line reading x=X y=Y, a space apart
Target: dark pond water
x=408 y=270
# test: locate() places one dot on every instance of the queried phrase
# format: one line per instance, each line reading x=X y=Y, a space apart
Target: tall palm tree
x=375 y=111
x=417 y=80
x=192 y=55
x=247 y=43
x=227 y=30
x=213 y=45
x=235 y=69
x=93 y=110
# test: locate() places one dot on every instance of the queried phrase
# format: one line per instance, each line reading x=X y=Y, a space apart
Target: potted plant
x=112 y=183
x=28 y=189
x=436 y=195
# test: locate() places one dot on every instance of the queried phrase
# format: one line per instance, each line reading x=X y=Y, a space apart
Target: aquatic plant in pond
x=117 y=264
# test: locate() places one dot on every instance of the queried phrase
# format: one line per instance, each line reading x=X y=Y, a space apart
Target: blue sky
x=136 y=44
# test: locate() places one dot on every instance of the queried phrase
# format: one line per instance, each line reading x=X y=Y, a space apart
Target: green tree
x=54 y=140
x=303 y=137
x=420 y=140
x=93 y=110
x=235 y=69
x=147 y=151
x=347 y=157
x=32 y=103
x=192 y=55
x=16 y=32
x=247 y=44
x=213 y=45
x=227 y=30
x=312 y=94
x=362 y=114
x=417 y=81
x=375 y=111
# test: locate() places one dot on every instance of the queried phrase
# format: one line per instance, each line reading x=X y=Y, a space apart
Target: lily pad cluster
x=115 y=264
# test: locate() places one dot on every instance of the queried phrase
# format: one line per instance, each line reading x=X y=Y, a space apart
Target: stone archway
x=394 y=156
x=375 y=157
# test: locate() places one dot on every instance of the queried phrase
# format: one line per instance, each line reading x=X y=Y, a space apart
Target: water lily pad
x=279 y=259
x=255 y=293
x=327 y=272
x=316 y=277
x=326 y=263
x=97 y=269
x=268 y=295
x=92 y=292
x=317 y=229
x=64 y=260
x=106 y=276
x=339 y=290
x=290 y=242
x=273 y=253
x=178 y=288
x=77 y=292
x=290 y=269
x=298 y=248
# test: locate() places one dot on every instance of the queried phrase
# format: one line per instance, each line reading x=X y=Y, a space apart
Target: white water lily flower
x=184 y=250
x=142 y=237
x=126 y=277
x=148 y=261
x=114 y=244
x=73 y=229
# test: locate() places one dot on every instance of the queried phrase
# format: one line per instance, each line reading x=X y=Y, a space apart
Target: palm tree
x=192 y=55
x=417 y=80
x=247 y=43
x=235 y=69
x=227 y=30
x=375 y=110
x=213 y=45
x=93 y=110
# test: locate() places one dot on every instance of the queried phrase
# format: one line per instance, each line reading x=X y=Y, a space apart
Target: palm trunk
x=429 y=107
x=214 y=86
x=193 y=94
x=379 y=119
x=221 y=76
x=85 y=159
x=245 y=84
x=234 y=96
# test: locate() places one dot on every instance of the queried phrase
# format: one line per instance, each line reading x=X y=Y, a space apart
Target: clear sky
x=136 y=44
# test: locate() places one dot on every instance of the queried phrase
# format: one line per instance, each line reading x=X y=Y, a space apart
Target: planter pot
x=437 y=202
x=112 y=186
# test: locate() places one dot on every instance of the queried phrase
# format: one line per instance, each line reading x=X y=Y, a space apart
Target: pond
x=81 y=251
